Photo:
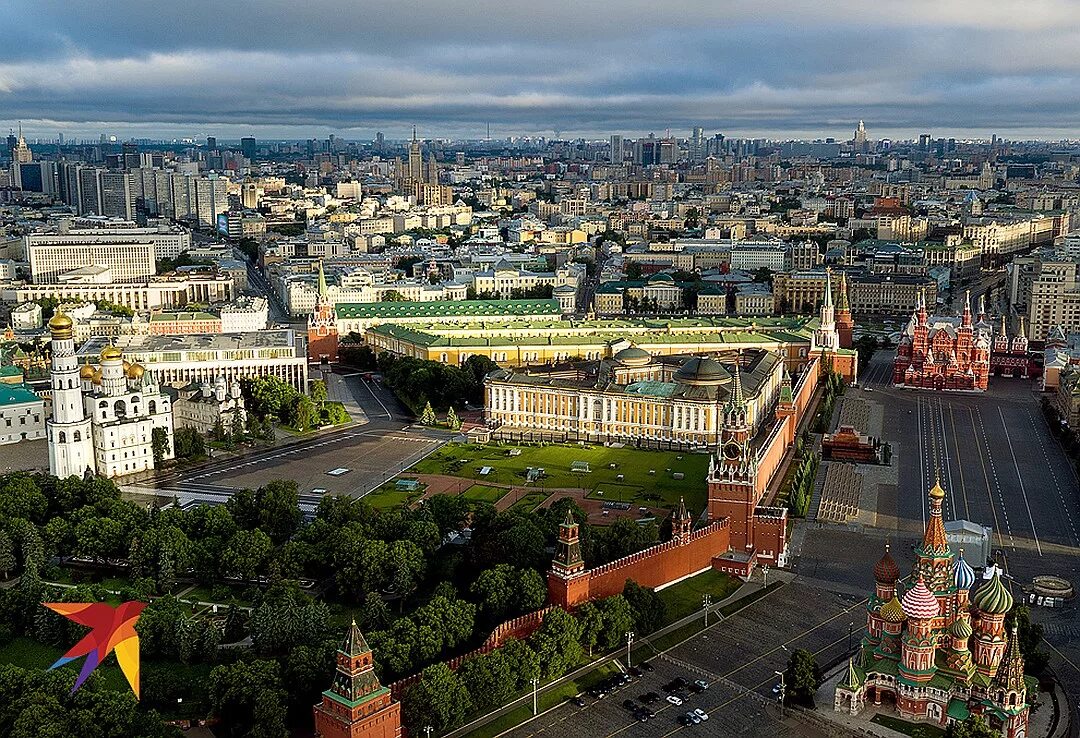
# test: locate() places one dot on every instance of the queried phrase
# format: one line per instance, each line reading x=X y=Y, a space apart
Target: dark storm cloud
x=770 y=67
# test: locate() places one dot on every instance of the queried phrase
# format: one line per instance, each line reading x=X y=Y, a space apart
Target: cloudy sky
x=778 y=68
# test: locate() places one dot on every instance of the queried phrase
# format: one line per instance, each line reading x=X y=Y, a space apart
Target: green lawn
x=685 y=598
x=637 y=484
x=484 y=493
x=529 y=501
x=388 y=496
x=915 y=730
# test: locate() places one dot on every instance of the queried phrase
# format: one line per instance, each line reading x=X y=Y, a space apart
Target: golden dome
x=892 y=611
x=937 y=492
x=86 y=372
x=134 y=371
x=126 y=364
x=60 y=323
x=111 y=352
x=96 y=379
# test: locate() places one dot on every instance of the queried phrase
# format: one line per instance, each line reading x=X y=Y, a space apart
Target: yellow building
x=635 y=396
x=513 y=343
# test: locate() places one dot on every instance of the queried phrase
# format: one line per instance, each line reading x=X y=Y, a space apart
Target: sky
x=763 y=68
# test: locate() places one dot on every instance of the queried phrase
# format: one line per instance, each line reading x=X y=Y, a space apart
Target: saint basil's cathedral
x=935 y=650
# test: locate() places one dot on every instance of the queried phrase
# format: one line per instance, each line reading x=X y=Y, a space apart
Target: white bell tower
x=71 y=443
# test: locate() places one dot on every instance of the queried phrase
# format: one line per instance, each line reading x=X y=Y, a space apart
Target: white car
x=701 y=714
x=673 y=700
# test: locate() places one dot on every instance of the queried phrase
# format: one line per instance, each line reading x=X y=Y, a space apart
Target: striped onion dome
x=992 y=598
x=963 y=574
x=920 y=603
x=960 y=628
x=892 y=611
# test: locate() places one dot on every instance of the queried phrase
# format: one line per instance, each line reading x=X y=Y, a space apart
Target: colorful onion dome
x=960 y=628
x=963 y=574
x=885 y=570
x=920 y=603
x=992 y=598
x=892 y=611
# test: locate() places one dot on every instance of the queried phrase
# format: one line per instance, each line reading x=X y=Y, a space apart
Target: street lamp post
x=850 y=626
x=629 y=640
x=783 y=691
x=535 y=683
x=765 y=576
x=427 y=731
x=705 y=602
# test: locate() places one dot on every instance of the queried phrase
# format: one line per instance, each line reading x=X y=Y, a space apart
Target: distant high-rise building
x=89 y=191
x=697 y=144
x=117 y=200
x=22 y=153
x=12 y=142
x=859 y=140
x=247 y=148
x=380 y=142
x=617 y=152
x=924 y=142
x=415 y=170
x=211 y=142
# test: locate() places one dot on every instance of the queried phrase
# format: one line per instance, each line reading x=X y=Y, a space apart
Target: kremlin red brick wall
x=659 y=565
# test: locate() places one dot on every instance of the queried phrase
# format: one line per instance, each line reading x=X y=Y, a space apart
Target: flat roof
x=440 y=308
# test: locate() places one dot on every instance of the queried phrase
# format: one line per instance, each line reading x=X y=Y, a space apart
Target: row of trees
x=419 y=382
x=802 y=484
x=443 y=698
x=537 y=292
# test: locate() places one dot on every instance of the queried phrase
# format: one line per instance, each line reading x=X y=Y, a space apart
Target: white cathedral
x=103 y=417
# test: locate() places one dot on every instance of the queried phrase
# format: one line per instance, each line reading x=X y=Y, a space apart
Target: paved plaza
x=737 y=657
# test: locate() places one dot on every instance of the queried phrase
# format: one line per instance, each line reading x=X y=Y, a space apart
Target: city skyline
x=772 y=70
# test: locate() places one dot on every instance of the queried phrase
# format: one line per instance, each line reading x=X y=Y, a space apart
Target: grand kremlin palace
x=515 y=343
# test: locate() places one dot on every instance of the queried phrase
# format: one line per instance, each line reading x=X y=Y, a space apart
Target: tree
x=428 y=416
x=439 y=699
x=505 y=591
x=7 y=554
x=159 y=445
x=618 y=620
x=802 y=678
x=592 y=625
x=452 y=420
x=1031 y=636
x=558 y=643
x=973 y=727
x=648 y=608
x=489 y=679
x=236 y=426
x=279 y=509
x=305 y=415
x=234 y=624
x=317 y=391
x=188 y=444
x=246 y=554
x=633 y=270
x=248 y=698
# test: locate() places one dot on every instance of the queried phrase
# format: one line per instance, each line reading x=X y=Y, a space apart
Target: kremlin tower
x=845 y=324
x=322 y=326
x=357 y=705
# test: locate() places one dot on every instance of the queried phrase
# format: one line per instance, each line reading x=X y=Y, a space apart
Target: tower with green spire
x=322 y=325
x=357 y=705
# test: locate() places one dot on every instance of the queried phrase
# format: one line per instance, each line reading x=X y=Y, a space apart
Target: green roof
x=651 y=388
x=16 y=394
x=353 y=703
x=442 y=308
x=958 y=709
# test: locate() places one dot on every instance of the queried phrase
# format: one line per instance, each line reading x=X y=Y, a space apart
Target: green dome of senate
x=992 y=598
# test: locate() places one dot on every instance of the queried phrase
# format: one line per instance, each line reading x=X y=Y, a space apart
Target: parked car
x=702 y=715
x=629 y=704
x=578 y=701
x=693 y=718
x=640 y=715
x=702 y=683
x=673 y=700
x=685 y=720
x=695 y=688
x=634 y=671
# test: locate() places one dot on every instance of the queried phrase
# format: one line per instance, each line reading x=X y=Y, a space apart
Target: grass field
x=484 y=493
x=387 y=496
x=685 y=598
x=660 y=487
x=529 y=501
